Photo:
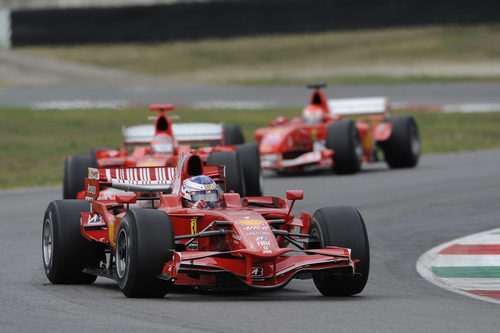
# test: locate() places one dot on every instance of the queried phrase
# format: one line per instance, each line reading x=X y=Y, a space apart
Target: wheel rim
x=414 y=141
x=48 y=242
x=122 y=258
x=316 y=235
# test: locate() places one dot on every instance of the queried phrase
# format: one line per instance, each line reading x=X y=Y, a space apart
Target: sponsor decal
x=235 y=236
x=251 y=222
x=262 y=238
x=194 y=225
x=257 y=271
x=256 y=227
x=266 y=251
x=94 y=219
x=91 y=189
x=93 y=173
x=264 y=243
x=258 y=233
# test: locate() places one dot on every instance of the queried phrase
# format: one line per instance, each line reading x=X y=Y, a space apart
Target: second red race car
x=161 y=143
x=175 y=226
x=323 y=138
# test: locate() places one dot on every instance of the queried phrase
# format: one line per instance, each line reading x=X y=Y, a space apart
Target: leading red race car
x=322 y=138
x=149 y=240
x=161 y=144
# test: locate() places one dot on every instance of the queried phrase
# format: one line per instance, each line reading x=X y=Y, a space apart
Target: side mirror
x=295 y=194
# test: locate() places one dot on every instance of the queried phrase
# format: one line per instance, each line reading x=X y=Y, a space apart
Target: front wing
x=322 y=158
x=189 y=267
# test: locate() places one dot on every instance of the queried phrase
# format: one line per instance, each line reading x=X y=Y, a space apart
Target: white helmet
x=162 y=143
x=312 y=115
x=200 y=192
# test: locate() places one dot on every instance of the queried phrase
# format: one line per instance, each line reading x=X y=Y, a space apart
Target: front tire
x=250 y=160
x=343 y=137
x=145 y=242
x=75 y=170
x=65 y=251
x=234 y=170
x=402 y=149
x=342 y=226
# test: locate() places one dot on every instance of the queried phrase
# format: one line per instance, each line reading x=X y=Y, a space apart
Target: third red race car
x=322 y=138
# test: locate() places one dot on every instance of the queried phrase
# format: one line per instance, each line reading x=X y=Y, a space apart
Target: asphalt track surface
x=149 y=91
x=407 y=212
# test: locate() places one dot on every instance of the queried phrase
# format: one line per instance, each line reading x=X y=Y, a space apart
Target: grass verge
x=392 y=55
x=34 y=144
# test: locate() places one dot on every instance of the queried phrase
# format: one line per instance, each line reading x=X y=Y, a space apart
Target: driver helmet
x=312 y=114
x=162 y=143
x=200 y=192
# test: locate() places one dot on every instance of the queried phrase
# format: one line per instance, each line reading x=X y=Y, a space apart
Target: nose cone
x=257 y=237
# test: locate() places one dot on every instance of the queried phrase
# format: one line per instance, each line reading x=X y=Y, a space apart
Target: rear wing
x=197 y=132
x=151 y=179
x=183 y=133
x=359 y=106
x=139 y=134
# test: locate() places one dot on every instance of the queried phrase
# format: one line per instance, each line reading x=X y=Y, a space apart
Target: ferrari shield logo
x=193 y=225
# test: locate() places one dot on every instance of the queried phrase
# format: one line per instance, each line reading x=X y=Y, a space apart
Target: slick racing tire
x=144 y=243
x=402 y=149
x=343 y=137
x=341 y=226
x=65 y=252
x=75 y=170
x=233 y=135
x=234 y=170
x=252 y=173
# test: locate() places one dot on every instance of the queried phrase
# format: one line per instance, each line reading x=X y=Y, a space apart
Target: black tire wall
x=196 y=20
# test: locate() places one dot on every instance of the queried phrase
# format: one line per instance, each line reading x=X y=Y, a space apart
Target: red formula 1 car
x=162 y=143
x=148 y=240
x=321 y=138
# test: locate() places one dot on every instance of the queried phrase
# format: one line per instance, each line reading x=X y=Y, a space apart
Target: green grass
x=34 y=144
x=336 y=57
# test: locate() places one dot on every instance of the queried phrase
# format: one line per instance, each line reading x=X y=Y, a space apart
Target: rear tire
x=234 y=170
x=343 y=137
x=250 y=160
x=342 y=226
x=145 y=242
x=402 y=149
x=65 y=252
x=233 y=135
x=75 y=170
